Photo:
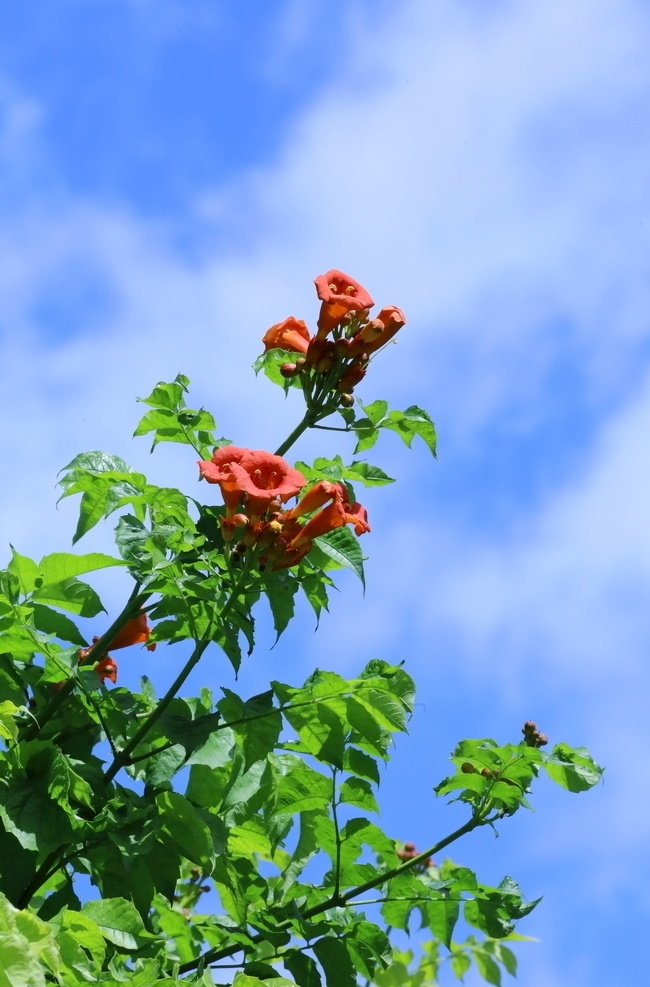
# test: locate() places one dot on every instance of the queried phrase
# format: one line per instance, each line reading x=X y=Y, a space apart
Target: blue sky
x=173 y=177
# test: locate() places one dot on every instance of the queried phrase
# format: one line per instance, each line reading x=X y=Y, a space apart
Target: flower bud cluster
x=339 y=353
x=255 y=485
x=408 y=851
x=532 y=736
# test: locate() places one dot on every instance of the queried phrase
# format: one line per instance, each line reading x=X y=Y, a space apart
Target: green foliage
x=268 y=802
x=407 y=424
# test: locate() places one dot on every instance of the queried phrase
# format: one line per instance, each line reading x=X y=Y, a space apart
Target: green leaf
x=24 y=569
x=488 y=969
x=333 y=956
x=375 y=411
x=572 y=768
x=369 y=947
x=168 y=395
x=414 y=421
x=359 y=763
x=357 y=791
x=441 y=917
x=118 y=921
x=307 y=847
x=342 y=547
x=60 y=566
x=270 y=362
x=72 y=595
x=298 y=788
x=188 y=833
x=8 y=726
x=281 y=588
x=51 y=622
x=302 y=968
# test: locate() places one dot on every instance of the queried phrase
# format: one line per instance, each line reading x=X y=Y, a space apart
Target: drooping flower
x=339 y=294
x=316 y=497
x=381 y=330
x=107 y=669
x=357 y=515
x=135 y=631
x=294 y=540
x=292 y=334
x=329 y=518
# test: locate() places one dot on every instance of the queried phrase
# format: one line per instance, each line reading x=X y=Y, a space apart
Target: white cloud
x=483 y=167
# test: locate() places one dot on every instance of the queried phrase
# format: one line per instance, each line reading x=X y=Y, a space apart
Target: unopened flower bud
x=347 y=400
x=467 y=768
x=288 y=370
x=300 y=362
x=325 y=364
x=371 y=330
x=315 y=351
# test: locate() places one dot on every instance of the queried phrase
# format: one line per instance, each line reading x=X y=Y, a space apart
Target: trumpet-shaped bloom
x=251 y=475
x=135 y=631
x=339 y=294
x=263 y=477
x=292 y=334
x=382 y=329
x=319 y=494
x=294 y=540
x=217 y=470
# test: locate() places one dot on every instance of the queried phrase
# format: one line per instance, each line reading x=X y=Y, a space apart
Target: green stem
x=52 y=863
x=213 y=955
x=310 y=417
x=337 y=839
x=123 y=758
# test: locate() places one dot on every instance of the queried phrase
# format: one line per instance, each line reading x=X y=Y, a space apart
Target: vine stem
x=133 y=606
x=121 y=759
x=308 y=420
x=337 y=838
x=124 y=756
x=213 y=955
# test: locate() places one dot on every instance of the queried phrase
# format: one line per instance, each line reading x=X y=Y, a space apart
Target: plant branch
x=215 y=954
x=337 y=839
x=133 y=606
x=123 y=758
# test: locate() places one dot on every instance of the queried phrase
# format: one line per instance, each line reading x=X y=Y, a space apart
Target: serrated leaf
x=187 y=831
x=59 y=566
x=357 y=791
x=72 y=595
x=168 y=395
x=51 y=622
x=375 y=411
x=342 y=547
x=333 y=956
x=572 y=768
x=24 y=569
x=281 y=588
x=118 y=921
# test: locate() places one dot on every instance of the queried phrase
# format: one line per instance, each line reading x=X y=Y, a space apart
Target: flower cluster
x=342 y=358
x=135 y=631
x=255 y=484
